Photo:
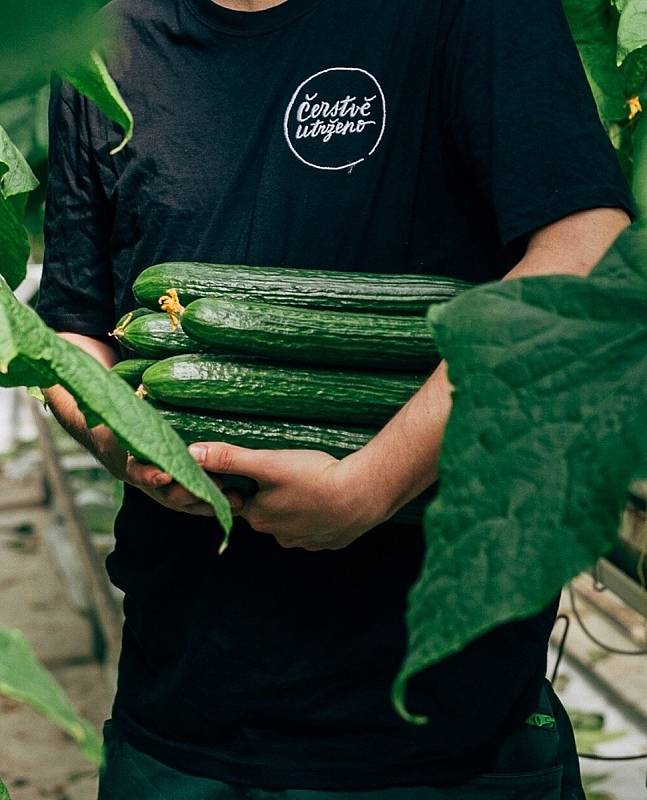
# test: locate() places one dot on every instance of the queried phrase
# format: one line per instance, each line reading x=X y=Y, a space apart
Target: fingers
x=161 y=487
x=145 y=475
x=176 y=495
x=236 y=501
x=228 y=459
x=177 y=498
x=199 y=509
x=151 y=477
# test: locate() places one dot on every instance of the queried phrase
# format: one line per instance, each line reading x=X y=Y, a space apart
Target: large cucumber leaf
x=23 y=678
x=632 y=29
x=547 y=430
x=4 y=794
x=92 y=79
x=33 y=355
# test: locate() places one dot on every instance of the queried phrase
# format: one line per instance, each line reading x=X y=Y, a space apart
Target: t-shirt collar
x=248 y=23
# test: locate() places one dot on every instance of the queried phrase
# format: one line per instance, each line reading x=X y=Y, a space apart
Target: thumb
x=228 y=459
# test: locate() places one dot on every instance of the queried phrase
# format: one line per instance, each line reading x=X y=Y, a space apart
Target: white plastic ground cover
x=611 y=780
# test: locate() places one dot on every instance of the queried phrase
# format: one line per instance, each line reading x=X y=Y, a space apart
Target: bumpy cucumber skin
x=132 y=369
x=280 y=392
x=262 y=434
x=265 y=434
x=152 y=336
x=311 y=336
x=303 y=288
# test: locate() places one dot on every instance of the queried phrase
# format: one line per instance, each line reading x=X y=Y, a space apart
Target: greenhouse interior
x=323 y=400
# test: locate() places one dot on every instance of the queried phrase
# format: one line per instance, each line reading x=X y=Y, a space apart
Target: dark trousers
x=534 y=763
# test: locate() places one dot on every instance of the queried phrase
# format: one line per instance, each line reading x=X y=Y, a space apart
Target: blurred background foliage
x=41 y=36
x=611 y=36
x=65 y=36
x=25 y=119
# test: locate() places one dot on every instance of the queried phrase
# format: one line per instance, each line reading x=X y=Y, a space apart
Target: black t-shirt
x=392 y=136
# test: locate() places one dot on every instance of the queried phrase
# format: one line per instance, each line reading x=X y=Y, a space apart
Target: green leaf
x=632 y=29
x=639 y=176
x=25 y=120
x=43 y=35
x=634 y=70
x=594 y=25
x=14 y=244
x=91 y=78
x=18 y=179
x=23 y=678
x=547 y=431
x=37 y=394
x=61 y=35
x=4 y=794
x=35 y=355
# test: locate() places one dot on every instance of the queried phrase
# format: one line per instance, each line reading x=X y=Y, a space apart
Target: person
x=450 y=137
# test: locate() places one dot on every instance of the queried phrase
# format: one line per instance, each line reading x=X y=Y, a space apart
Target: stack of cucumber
x=279 y=357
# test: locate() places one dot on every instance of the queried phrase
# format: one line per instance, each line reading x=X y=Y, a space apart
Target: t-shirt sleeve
x=76 y=292
x=521 y=118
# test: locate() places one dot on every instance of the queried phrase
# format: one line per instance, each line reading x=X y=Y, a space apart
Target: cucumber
x=128 y=318
x=152 y=336
x=311 y=336
x=268 y=390
x=265 y=434
x=132 y=369
x=303 y=288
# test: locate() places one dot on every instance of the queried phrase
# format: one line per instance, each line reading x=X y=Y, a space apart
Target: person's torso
x=311 y=136
x=315 y=141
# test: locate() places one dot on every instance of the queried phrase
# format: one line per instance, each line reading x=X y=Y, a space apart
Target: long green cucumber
x=311 y=336
x=267 y=434
x=132 y=369
x=274 y=391
x=304 y=288
x=152 y=336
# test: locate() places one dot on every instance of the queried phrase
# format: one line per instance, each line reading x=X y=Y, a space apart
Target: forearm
x=99 y=440
x=103 y=444
x=402 y=459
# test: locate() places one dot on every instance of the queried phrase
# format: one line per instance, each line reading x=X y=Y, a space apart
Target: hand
x=162 y=488
x=145 y=477
x=306 y=498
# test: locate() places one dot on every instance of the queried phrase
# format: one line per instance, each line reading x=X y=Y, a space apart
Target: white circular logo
x=336 y=118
